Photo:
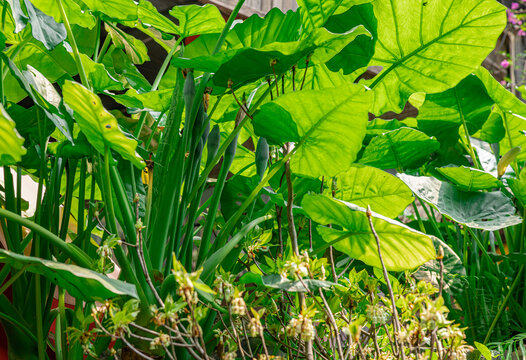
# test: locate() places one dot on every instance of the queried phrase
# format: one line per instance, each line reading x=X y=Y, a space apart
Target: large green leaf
x=198 y=20
x=99 y=78
x=357 y=54
x=365 y=185
x=513 y=113
x=480 y=210
x=322 y=123
x=470 y=179
x=443 y=114
x=316 y=13
x=116 y=9
x=518 y=186
x=42 y=92
x=75 y=14
x=99 y=126
x=257 y=31
x=81 y=283
x=121 y=67
x=402 y=247
x=149 y=16
x=158 y=100
x=404 y=148
x=247 y=64
x=19 y=17
x=11 y=146
x=429 y=46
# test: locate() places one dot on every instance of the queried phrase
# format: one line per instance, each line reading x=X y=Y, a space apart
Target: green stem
x=60 y=327
x=111 y=221
x=73 y=43
x=12 y=279
x=104 y=49
x=156 y=83
x=503 y=305
x=77 y=255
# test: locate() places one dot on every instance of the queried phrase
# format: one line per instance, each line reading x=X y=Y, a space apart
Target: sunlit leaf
x=470 y=179
x=99 y=126
x=198 y=20
x=430 y=46
x=365 y=185
x=402 y=247
x=404 y=148
x=321 y=123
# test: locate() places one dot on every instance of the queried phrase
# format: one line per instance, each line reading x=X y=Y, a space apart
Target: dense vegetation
x=238 y=206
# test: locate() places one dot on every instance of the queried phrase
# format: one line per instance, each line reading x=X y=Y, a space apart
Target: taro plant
x=236 y=205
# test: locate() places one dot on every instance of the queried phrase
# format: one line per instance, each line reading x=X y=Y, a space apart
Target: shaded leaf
x=316 y=13
x=40 y=89
x=443 y=114
x=404 y=148
x=321 y=123
x=518 y=187
x=244 y=65
x=44 y=28
x=357 y=54
x=365 y=185
x=11 y=146
x=402 y=247
x=487 y=211
x=98 y=77
x=99 y=126
x=81 y=283
x=134 y=48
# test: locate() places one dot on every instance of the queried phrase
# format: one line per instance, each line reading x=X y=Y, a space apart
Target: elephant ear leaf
x=489 y=211
x=321 y=123
x=430 y=46
x=403 y=248
x=99 y=125
x=79 y=282
x=11 y=146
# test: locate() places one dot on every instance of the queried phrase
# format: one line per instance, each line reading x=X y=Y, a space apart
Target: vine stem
x=73 y=43
x=386 y=277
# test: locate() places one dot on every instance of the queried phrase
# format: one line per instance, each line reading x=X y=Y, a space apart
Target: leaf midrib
x=422 y=47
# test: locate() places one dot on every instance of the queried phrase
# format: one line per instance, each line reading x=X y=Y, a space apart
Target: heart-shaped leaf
x=321 y=123
x=247 y=64
x=402 y=248
x=365 y=185
x=404 y=148
x=198 y=20
x=99 y=126
x=76 y=15
x=487 y=211
x=429 y=46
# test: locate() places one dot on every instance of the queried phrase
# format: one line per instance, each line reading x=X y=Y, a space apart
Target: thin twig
x=386 y=277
